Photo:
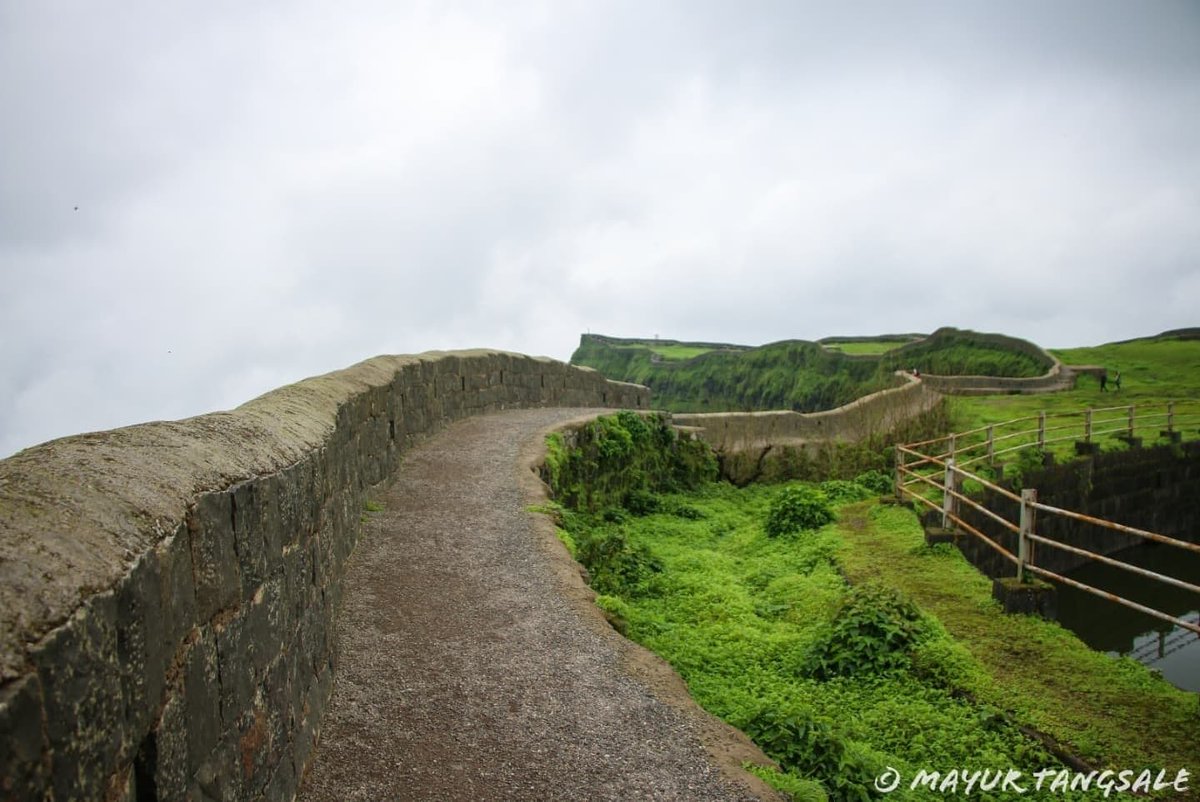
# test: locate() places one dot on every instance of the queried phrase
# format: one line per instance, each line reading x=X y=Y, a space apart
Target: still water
x=1110 y=627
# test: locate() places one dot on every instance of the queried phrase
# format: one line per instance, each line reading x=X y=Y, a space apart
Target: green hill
x=796 y=374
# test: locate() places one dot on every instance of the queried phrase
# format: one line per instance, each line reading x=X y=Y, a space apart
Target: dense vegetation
x=815 y=619
x=797 y=375
x=789 y=375
x=615 y=460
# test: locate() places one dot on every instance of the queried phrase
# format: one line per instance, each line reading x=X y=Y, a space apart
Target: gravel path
x=473 y=665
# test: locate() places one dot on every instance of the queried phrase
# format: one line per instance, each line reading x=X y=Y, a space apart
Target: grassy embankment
x=865 y=347
x=796 y=375
x=796 y=639
x=1154 y=371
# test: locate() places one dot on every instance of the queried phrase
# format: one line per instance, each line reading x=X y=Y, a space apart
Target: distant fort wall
x=746 y=441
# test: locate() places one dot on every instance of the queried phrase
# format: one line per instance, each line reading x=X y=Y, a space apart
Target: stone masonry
x=169 y=591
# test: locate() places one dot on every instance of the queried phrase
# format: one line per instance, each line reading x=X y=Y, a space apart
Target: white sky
x=276 y=189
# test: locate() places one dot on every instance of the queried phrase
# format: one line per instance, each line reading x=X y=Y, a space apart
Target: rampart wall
x=169 y=591
x=744 y=440
x=1057 y=376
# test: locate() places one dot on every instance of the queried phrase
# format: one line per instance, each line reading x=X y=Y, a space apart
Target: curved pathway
x=473 y=665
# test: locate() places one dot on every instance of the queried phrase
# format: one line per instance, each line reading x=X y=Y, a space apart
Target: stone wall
x=1057 y=377
x=745 y=440
x=169 y=591
x=1155 y=488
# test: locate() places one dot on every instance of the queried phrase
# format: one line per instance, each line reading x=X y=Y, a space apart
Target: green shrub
x=796 y=508
x=873 y=633
x=842 y=491
x=641 y=502
x=944 y=663
x=682 y=510
x=565 y=538
x=807 y=746
x=619 y=459
x=797 y=789
x=616 y=612
x=877 y=482
x=617 y=567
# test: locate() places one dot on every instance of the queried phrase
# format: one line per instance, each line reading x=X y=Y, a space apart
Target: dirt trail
x=473 y=665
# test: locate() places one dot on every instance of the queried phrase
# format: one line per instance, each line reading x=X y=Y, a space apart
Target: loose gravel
x=473 y=665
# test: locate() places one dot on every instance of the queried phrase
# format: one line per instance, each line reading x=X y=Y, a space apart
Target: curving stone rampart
x=742 y=439
x=1057 y=377
x=169 y=591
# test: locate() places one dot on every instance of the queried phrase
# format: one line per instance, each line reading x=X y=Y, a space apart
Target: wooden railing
x=933 y=472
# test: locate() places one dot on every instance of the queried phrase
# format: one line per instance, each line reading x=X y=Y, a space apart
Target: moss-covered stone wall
x=169 y=592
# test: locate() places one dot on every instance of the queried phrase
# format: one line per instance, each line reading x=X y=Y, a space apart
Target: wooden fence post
x=1028 y=499
x=899 y=474
x=949 y=502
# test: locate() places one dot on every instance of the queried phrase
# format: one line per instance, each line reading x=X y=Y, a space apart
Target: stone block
x=177 y=599
x=1032 y=597
x=25 y=760
x=249 y=540
x=214 y=555
x=81 y=691
x=237 y=653
x=283 y=783
x=161 y=766
x=278 y=702
x=143 y=650
x=255 y=757
x=202 y=700
x=937 y=534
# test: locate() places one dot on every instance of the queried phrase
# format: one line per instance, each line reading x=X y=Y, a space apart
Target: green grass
x=743 y=616
x=793 y=374
x=870 y=348
x=1112 y=712
x=1153 y=372
x=678 y=353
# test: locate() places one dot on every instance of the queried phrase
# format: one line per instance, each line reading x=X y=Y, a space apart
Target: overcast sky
x=202 y=201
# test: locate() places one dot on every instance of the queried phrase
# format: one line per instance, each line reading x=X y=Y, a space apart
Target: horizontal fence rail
x=932 y=473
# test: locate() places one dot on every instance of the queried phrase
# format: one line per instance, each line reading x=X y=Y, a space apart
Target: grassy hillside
x=787 y=375
x=814 y=618
x=1154 y=370
x=795 y=374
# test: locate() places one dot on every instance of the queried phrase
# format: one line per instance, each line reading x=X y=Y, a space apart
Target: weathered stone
x=214 y=555
x=937 y=534
x=237 y=655
x=202 y=700
x=1032 y=597
x=81 y=691
x=143 y=651
x=249 y=538
x=177 y=599
x=162 y=765
x=201 y=577
x=25 y=762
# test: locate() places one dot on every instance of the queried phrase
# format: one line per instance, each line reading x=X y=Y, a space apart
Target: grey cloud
x=277 y=190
